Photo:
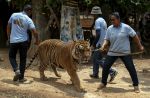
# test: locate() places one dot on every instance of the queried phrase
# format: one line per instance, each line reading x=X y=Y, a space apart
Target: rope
x=134 y=53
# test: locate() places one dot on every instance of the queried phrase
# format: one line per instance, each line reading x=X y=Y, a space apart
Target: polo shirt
x=119 y=39
x=20 y=23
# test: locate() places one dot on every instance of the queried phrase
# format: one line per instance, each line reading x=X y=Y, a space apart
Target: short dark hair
x=116 y=14
x=27 y=7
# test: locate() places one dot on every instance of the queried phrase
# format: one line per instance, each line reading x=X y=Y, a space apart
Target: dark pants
x=98 y=60
x=127 y=60
x=22 y=47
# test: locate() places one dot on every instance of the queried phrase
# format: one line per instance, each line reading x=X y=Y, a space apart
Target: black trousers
x=22 y=47
x=98 y=60
x=128 y=62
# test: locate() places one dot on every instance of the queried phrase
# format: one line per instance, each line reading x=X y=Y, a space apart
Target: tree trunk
x=40 y=22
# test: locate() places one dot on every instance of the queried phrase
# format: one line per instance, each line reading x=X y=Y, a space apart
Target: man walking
x=117 y=37
x=100 y=27
x=17 y=27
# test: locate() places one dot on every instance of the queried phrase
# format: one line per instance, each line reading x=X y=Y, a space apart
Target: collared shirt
x=20 y=23
x=100 y=24
x=119 y=39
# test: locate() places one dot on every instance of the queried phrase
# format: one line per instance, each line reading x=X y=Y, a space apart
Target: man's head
x=115 y=19
x=28 y=9
x=96 y=11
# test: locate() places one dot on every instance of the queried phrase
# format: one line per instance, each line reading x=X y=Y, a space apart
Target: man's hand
x=105 y=46
x=101 y=49
x=141 y=48
x=137 y=41
x=34 y=32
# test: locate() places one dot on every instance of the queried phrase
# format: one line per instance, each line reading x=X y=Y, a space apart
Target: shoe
x=113 y=76
x=22 y=80
x=94 y=76
x=16 y=78
x=17 y=75
x=101 y=86
x=136 y=89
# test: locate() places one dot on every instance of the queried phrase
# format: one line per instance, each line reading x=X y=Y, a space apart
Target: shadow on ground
x=92 y=80
x=61 y=85
x=115 y=90
x=10 y=81
x=144 y=79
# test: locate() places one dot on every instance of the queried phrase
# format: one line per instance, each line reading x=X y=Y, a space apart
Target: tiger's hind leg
x=42 y=68
x=55 y=70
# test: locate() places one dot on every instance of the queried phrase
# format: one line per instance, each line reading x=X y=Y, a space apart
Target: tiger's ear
x=74 y=40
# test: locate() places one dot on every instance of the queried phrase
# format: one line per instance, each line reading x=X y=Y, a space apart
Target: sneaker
x=101 y=86
x=22 y=80
x=16 y=78
x=17 y=75
x=17 y=72
x=94 y=76
x=113 y=76
x=136 y=89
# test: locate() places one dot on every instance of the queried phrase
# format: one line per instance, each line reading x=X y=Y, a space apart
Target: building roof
x=86 y=23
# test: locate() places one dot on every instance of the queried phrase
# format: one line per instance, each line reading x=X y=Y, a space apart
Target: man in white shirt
x=101 y=28
x=17 y=27
x=117 y=38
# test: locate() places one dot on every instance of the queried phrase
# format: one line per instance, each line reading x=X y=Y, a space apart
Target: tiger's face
x=82 y=50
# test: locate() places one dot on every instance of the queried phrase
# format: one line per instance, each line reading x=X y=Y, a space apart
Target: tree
x=45 y=12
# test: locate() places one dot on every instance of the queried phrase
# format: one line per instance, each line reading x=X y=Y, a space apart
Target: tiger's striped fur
x=56 y=53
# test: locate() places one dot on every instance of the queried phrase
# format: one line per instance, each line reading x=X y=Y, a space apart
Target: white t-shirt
x=20 y=23
x=100 y=24
x=119 y=39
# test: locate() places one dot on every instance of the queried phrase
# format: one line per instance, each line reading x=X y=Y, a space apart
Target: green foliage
x=21 y=3
x=51 y=2
x=55 y=2
x=139 y=5
x=88 y=2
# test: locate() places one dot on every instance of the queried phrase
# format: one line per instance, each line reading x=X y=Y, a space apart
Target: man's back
x=100 y=24
x=20 y=23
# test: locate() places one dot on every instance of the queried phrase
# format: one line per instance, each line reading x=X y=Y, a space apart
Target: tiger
x=56 y=53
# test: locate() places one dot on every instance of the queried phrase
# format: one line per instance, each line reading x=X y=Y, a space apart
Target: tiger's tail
x=31 y=60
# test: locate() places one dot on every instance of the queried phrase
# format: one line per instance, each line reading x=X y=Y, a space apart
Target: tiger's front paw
x=81 y=89
x=44 y=79
x=58 y=75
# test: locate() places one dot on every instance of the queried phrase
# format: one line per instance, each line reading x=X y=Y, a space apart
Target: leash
x=135 y=53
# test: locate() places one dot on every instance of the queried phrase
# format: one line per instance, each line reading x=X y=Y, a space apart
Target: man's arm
x=33 y=30
x=105 y=45
x=137 y=41
x=96 y=38
x=8 y=30
x=135 y=37
x=35 y=34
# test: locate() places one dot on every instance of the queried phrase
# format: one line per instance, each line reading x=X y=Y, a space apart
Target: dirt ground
x=62 y=88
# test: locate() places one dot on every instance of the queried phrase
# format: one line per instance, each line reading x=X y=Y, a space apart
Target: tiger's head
x=81 y=50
